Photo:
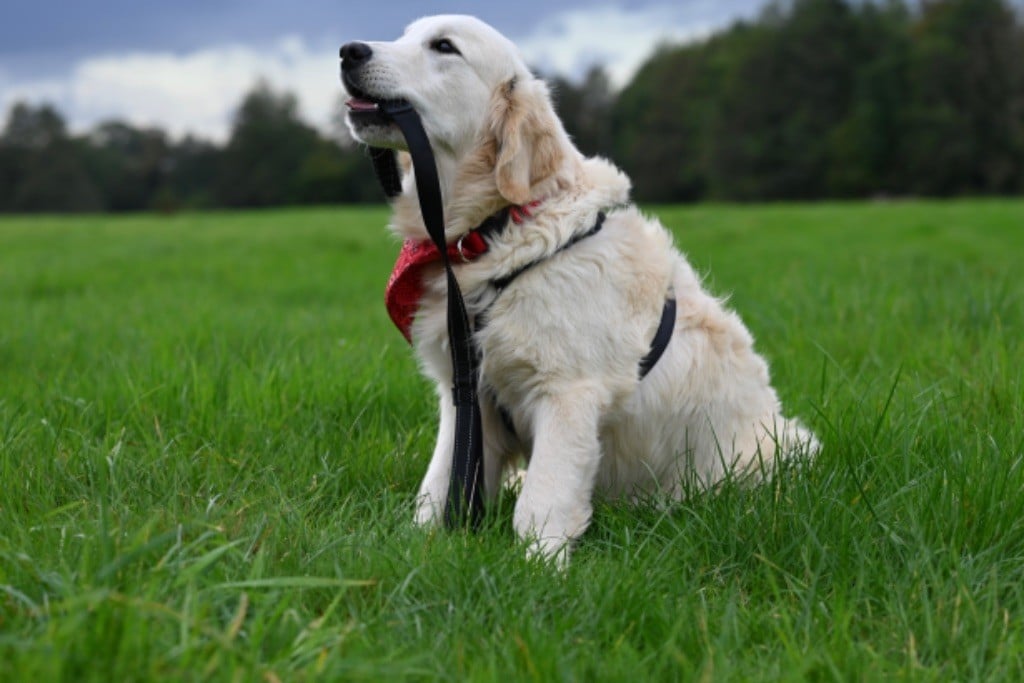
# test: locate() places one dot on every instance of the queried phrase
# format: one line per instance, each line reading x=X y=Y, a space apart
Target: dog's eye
x=445 y=47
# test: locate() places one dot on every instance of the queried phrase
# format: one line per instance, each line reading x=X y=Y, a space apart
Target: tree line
x=825 y=98
x=271 y=158
x=813 y=99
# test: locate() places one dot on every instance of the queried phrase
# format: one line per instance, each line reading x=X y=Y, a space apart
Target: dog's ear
x=527 y=137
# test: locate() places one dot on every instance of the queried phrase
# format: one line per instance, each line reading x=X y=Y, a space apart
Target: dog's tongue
x=358 y=104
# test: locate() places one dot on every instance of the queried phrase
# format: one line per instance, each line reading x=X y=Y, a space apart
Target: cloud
x=194 y=92
x=197 y=91
x=571 y=42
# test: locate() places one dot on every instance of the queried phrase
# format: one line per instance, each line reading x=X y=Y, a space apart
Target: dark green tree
x=34 y=128
x=792 y=84
x=663 y=119
x=332 y=175
x=268 y=146
x=42 y=166
x=130 y=165
x=194 y=168
x=865 y=149
x=965 y=120
x=585 y=110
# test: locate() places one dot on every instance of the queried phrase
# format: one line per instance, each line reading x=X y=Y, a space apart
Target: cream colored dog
x=560 y=346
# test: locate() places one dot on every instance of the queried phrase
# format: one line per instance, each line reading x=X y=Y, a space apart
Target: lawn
x=211 y=436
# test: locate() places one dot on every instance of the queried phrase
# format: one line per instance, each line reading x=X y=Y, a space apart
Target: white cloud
x=570 y=42
x=195 y=92
x=198 y=91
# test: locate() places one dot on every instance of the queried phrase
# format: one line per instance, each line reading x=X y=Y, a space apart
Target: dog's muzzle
x=364 y=108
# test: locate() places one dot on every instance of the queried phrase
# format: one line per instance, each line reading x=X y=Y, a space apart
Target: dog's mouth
x=362 y=105
x=365 y=108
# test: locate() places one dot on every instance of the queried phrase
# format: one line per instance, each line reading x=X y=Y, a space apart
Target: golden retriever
x=561 y=344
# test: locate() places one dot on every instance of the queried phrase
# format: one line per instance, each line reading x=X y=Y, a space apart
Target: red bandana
x=405 y=286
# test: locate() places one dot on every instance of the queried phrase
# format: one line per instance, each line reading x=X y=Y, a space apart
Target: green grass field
x=211 y=436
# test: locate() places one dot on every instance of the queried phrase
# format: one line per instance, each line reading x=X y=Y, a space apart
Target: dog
x=561 y=345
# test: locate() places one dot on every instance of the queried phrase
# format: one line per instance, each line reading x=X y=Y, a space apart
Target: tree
x=331 y=175
x=268 y=146
x=965 y=126
x=193 y=172
x=865 y=148
x=662 y=121
x=585 y=110
x=12 y=170
x=34 y=128
x=41 y=166
x=130 y=164
x=791 y=86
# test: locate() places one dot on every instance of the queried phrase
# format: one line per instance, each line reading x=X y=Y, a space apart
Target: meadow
x=211 y=437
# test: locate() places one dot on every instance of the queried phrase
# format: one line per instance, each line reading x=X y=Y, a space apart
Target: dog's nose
x=354 y=54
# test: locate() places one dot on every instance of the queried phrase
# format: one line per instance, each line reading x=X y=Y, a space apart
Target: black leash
x=465 y=501
x=386 y=168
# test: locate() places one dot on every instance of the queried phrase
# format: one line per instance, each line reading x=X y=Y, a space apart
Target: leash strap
x=465 y=502
x=386 y=167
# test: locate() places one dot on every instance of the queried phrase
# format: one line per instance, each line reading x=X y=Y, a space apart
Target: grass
x=210 y=438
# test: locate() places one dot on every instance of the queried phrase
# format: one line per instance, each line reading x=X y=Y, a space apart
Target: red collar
x=405 y=286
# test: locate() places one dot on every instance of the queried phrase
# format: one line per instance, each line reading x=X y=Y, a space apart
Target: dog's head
x=478 y=102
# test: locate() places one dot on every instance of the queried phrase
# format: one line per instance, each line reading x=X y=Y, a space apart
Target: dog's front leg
x=555 y=505
x=434 y=489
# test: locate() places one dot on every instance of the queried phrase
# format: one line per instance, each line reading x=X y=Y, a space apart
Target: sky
x=185 y=65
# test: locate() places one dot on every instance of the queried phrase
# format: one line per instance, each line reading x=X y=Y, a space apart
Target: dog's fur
x=561 y=346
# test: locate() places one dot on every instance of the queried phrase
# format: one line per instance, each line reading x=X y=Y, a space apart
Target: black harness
x=465 y=502
x=502 y=282
x=662 y=336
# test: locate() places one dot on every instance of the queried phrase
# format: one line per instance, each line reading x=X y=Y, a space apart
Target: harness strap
x=661 y=338
x=658 y=345
x=503 y=282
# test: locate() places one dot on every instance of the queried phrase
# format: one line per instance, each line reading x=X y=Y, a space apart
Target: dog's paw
x=513 y=479
x=428 y=512
x=551 y=551
x=795 y=440
x=549 y=533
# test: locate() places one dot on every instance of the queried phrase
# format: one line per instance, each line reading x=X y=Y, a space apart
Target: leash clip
x=458 y=249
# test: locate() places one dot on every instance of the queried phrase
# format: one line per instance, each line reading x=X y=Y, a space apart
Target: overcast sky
x=184 y=65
